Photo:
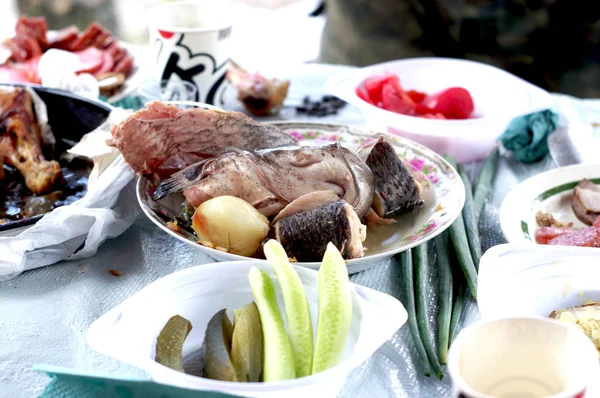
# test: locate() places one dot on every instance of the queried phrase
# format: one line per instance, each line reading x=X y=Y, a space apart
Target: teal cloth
x=130 y=102
x=527 y=136
x=68 y=383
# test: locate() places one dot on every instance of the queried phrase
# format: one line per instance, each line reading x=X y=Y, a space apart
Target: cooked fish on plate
x=372 y=196
x=558 y=207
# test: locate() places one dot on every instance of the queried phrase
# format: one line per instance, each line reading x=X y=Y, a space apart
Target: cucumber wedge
x=297 y=312
x=279 y=358
x=335 y=310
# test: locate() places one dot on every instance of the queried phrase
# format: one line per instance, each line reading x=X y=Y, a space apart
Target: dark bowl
x=71 y=117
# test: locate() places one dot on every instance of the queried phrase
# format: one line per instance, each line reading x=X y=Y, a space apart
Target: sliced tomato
x=395 y=101
x=373 y=86
x=453 y=103
x=363 y=95
x=416 y=96
x=90 y=60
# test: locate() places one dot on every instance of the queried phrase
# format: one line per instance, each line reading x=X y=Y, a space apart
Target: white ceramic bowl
x=129 y=331
x=498 y=96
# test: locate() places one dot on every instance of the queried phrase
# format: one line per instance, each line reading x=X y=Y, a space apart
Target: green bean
x=421 y=290
x=457 y=310
x=404 y=260
x=484 y=183
x=471 y=226
x=445 y=281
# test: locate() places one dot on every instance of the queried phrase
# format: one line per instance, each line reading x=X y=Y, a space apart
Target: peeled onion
x=230 y=223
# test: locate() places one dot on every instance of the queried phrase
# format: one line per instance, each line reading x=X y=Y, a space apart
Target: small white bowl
x=128 y=332
x=498 y=96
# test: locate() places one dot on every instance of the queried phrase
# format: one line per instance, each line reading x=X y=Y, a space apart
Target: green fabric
x=527 y=136
x=68 y=383
x=130 y=102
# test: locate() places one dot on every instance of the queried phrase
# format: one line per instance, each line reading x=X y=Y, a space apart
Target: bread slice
x=586 y=317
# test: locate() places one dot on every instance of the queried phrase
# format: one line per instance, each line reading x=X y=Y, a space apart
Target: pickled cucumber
x=169 y=344
x=279 y=358
x=216 y=349
x=335 y=310
x=247 y=344
x=297 y=312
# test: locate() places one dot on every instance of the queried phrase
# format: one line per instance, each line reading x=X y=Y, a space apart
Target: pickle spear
x=216 y=348
x=335 y=310
x=247 y=344
x=279 y=358
x=169 y=344
x=297 y=311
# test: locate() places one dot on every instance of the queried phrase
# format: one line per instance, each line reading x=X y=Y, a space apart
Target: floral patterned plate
x=443 y=193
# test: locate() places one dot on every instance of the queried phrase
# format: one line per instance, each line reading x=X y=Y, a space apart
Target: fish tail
x=180 y=180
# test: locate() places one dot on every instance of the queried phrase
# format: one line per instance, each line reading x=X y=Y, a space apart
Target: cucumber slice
x=279 y=358
x=335 y=310
x=297 y=312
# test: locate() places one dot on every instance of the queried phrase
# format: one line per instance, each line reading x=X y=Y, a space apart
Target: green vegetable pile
x=256 y=346
x=458 y=253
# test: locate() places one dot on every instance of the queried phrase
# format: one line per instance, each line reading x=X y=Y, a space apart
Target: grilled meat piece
x=163 y=139
x=305 y=235
x=21 y=141
x=396 y=191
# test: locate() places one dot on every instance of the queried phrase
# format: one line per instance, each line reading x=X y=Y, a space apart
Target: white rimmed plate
x=551 y=191
x=443 y=192
x=128 y=332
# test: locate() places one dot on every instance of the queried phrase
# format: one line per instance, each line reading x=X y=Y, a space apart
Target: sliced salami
x=124 y=66
x=65 y=38
x=107 y=64
x=87 y=38
x=16 y=75
x=90 y=60
x=35 y=28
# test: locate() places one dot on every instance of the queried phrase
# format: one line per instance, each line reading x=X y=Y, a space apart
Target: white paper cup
x=191 y=41
x=522 y=358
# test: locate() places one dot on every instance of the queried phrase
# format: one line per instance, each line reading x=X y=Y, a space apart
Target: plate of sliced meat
x=558 y=207
x=97 y=53
x=225 y=183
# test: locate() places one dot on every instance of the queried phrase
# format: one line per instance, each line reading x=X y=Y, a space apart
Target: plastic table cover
x=44 y=313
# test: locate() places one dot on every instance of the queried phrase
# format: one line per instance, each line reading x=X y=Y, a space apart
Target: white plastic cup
x=522 y=357
x=191 y=41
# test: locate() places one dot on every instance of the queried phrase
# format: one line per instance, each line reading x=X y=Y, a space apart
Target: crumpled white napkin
x=106 y=211
x=57 y=70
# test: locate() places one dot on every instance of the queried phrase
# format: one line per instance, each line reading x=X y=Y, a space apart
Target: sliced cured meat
x=90 y=60
x=18 y=52
x=65 y=38
x=546 y=234
x=587 y=237
x=33 y=66
x=87 y=38
x=34 y=28
x=15 y=75
x=107 y=64
x=116 y=52
x=124 y=66
x=101 y=39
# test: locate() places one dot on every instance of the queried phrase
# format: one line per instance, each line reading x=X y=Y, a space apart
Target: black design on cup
x=213 y=90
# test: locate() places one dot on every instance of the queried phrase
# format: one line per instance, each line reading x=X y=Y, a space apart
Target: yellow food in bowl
x=586 y=317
